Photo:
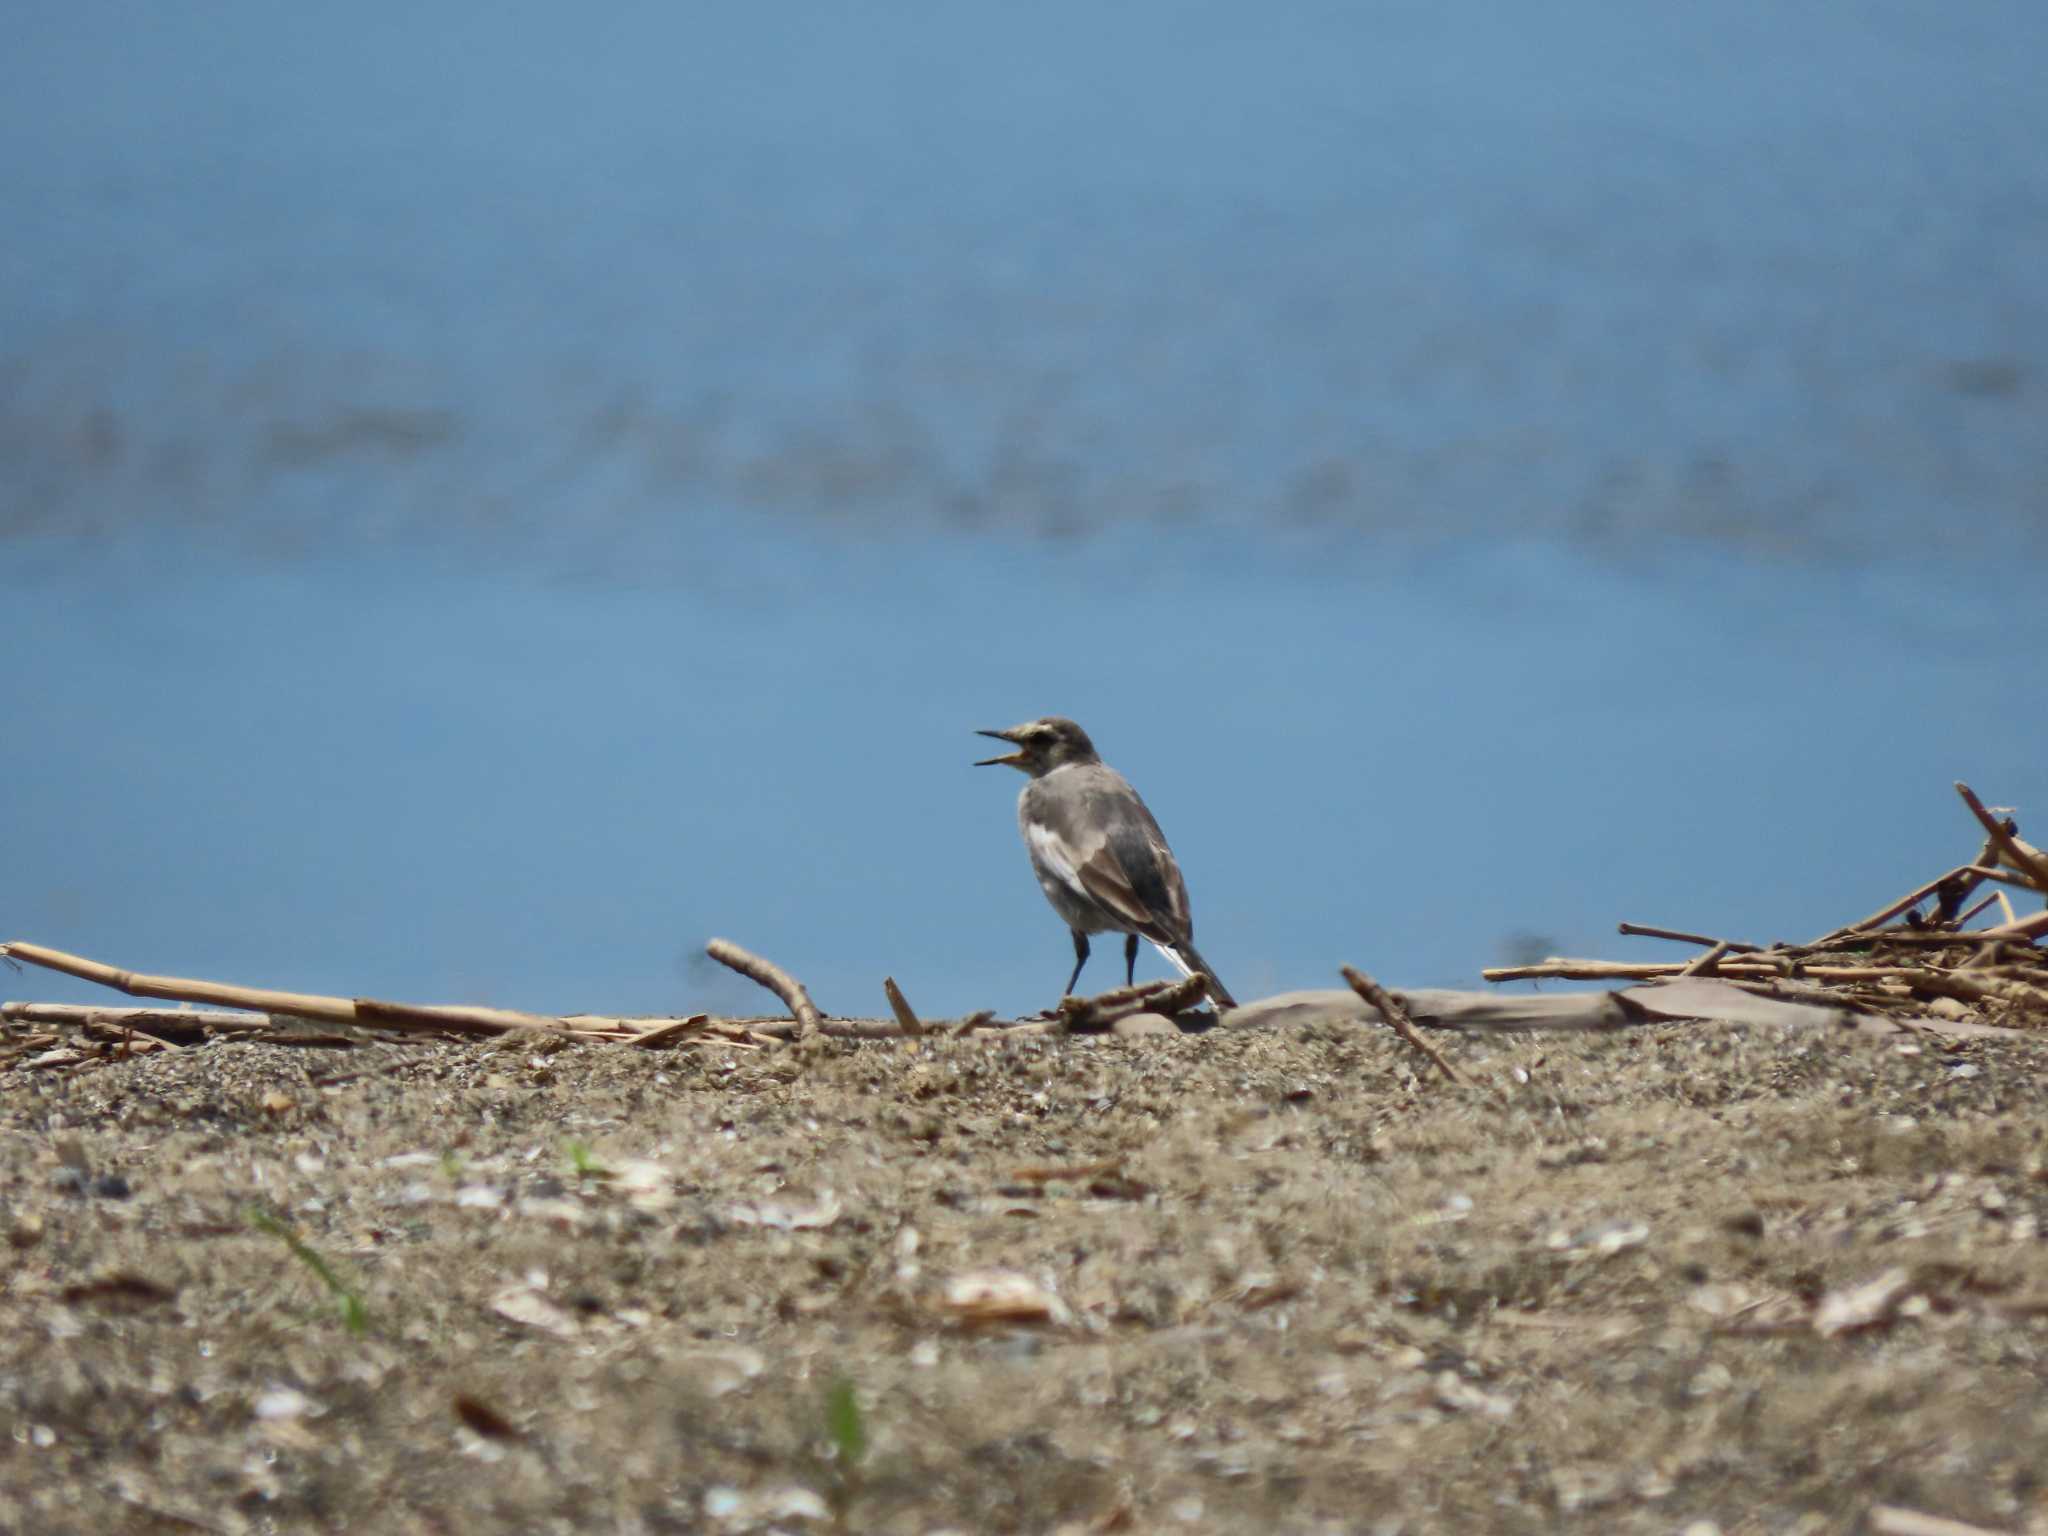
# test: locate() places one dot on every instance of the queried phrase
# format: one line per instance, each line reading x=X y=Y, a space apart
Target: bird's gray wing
x=1104 y=842
x=1148 y=866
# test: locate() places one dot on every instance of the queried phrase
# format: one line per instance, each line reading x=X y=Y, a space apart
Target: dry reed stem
x=304 y=1005
x=1679 y=936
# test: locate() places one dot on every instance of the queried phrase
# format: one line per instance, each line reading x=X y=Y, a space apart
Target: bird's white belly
x=1053 y=865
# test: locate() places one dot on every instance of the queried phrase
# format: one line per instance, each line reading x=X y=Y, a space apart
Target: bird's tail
x=1186 y=959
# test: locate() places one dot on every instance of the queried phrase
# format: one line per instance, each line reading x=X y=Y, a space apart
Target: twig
x=976 y=1020
x=906 y=1016
x=2027 y=860
x=671 y=1034
x=1729 y=946
x=1705 y=964
x=1379 y=998
x=771 y=976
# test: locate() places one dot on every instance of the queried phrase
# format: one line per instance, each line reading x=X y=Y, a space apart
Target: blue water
x=489 y=498
x=369 y=777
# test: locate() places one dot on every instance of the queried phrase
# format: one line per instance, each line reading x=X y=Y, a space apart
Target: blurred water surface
x=491 y=496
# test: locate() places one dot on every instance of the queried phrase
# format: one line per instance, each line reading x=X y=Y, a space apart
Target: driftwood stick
x=1380 y=999
x=1677 y=936
x=416 y=1017
x=906 y=1016
x=771 y=976
x=2025 y=858
x=303 y=1005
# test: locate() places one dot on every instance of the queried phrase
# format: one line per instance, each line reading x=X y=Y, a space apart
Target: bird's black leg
x=1130 y=957
x=1080 y=959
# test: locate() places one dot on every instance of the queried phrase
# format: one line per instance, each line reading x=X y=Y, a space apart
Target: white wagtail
x=1099 y=856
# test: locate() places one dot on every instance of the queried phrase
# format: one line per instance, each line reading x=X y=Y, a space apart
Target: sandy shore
x=1265 y=1280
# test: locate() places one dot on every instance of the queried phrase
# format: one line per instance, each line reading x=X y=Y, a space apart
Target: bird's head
x=1042 y=745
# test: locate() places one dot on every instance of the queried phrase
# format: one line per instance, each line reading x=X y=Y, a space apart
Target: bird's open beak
x=1011 y=761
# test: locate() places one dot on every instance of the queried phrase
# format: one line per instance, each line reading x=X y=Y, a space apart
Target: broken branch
x=2028 y=860
x=771 y=976
x=906 y=1016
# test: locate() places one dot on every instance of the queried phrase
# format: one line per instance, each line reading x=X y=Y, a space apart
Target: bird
x=1099 y=856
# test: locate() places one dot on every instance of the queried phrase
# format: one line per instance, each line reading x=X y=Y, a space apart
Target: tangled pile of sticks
x=1910 y=951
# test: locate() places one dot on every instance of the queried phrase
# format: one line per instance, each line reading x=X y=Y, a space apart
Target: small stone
x=68 y=1180
x=111 y=1186
x=283 y=1403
